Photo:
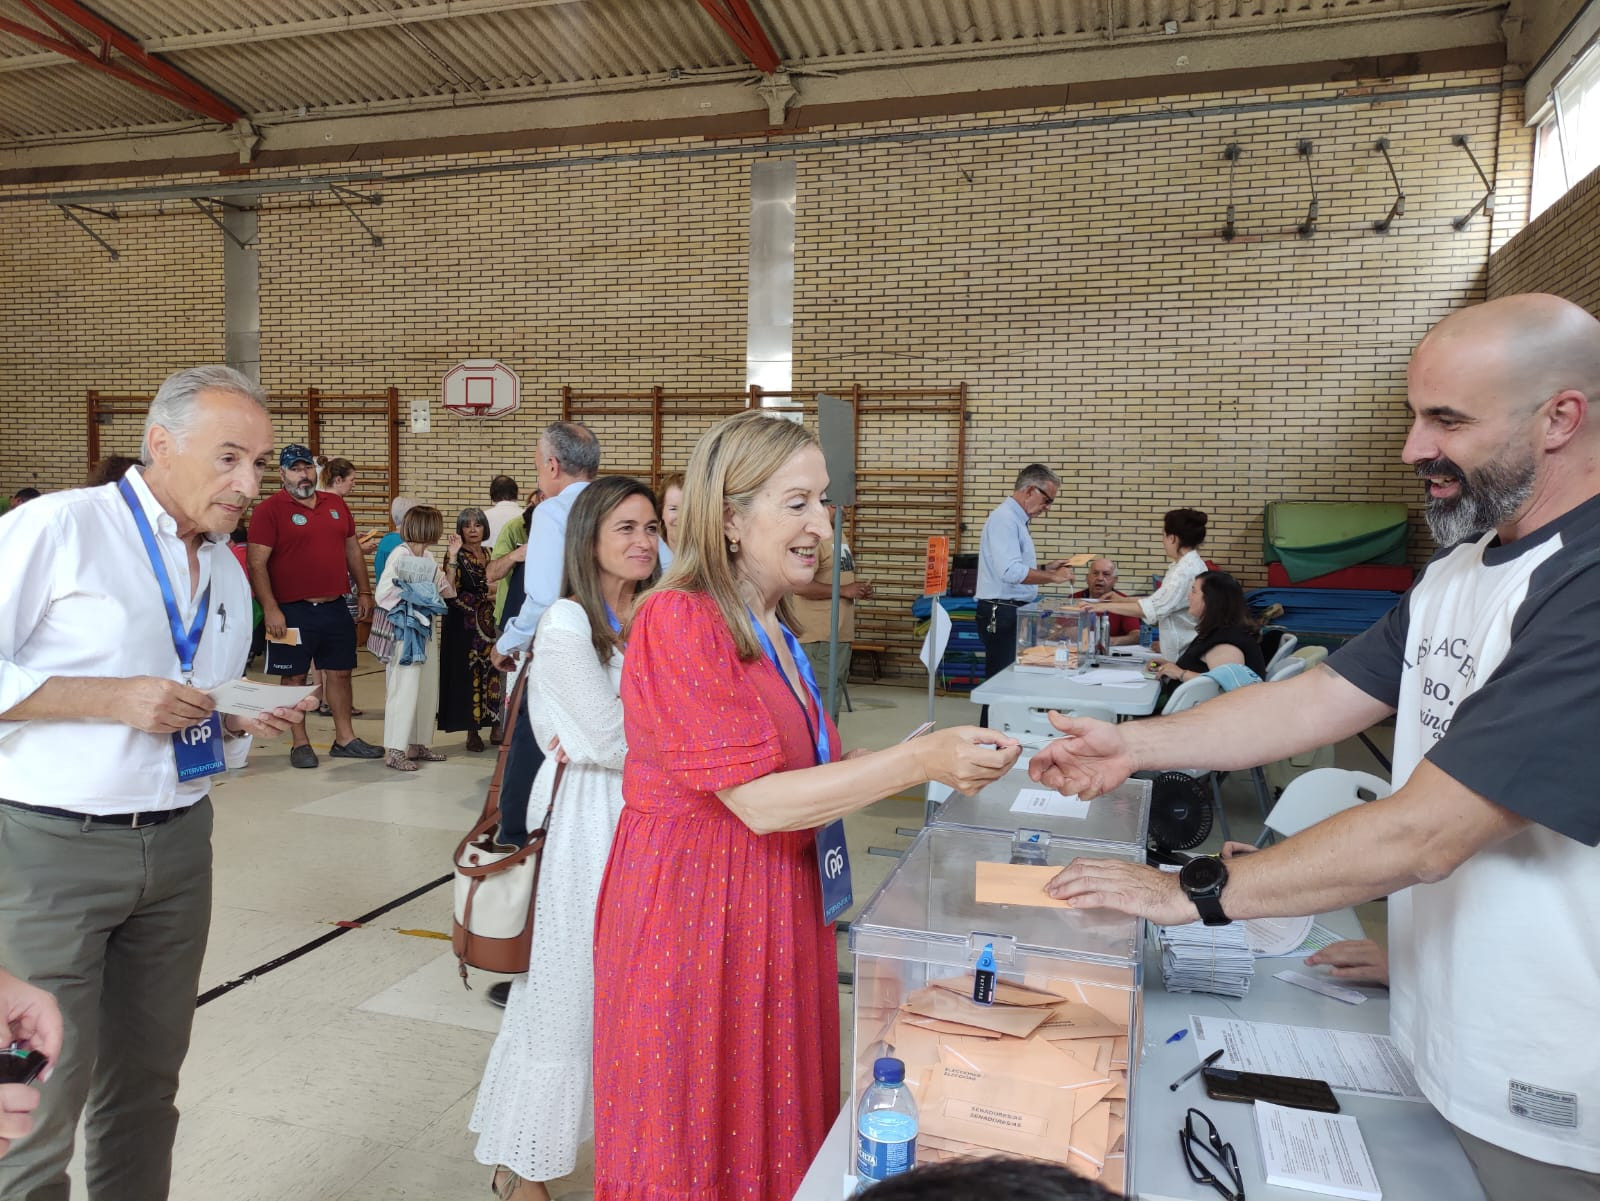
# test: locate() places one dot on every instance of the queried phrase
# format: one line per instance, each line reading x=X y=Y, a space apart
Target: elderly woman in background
x=398 y=508
x=716 y=989
x=535 y=1106
x=469 y=686
x=1168 y=606
x=671 y=506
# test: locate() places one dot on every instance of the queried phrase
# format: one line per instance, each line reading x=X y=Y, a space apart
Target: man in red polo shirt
x=303 y=553
x=1103 y=584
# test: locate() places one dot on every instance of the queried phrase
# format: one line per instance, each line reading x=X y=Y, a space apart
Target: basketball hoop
x=481 y=388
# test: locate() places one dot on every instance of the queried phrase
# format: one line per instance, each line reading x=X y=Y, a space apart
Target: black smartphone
x=1296 y=1092
x=20 y=1066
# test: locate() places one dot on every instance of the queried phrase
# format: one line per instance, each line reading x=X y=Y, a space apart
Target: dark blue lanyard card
x=833 y=866
x=199 y=749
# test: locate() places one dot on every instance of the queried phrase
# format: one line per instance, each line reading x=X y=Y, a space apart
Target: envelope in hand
x=1016 y=884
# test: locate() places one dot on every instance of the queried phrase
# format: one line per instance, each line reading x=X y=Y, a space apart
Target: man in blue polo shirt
x=303 y=553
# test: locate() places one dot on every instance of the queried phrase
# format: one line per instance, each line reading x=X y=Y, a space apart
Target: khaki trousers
x=113 y=921
x=817 y=652
x=1507 y=1176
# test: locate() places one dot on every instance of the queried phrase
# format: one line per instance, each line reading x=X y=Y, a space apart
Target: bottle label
x=886 y=1145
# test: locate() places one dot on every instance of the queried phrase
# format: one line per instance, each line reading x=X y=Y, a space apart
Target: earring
x=733 y=546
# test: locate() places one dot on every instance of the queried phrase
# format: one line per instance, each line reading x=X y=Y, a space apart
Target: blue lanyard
x=185 y=642
x=807 y=677
x=611 y=620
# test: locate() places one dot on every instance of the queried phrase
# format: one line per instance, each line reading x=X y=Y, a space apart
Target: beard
x=302 y=491
x=1487 y=497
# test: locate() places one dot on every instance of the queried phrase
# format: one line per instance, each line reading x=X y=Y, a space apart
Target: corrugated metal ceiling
x=293 y=58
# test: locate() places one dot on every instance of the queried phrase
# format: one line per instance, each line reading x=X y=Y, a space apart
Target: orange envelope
x=1016 y=1021
x=1091 y=1134
x=1072 y=1020
x=1016 y=1116
x=1033 y=1060
x=1004 y=993
x=1115 y=1175
x=1080 y=1166
x=1016 y=884
x=955 y=1029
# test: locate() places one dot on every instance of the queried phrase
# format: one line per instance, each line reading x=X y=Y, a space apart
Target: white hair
x=174 y=404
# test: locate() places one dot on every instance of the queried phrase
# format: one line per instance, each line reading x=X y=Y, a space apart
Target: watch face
x=1202 y=875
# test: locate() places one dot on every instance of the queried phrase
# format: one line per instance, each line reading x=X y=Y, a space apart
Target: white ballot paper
x=1369 y=1065
x=1318 y=1152
x=1042 y=800
x=246 y=698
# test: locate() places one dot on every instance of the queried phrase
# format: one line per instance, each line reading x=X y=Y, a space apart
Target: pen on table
x=1197 y=1069
x=1178 y=1037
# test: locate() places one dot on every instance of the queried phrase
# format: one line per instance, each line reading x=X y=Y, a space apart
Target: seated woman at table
x=716 y=1031
x=1222 y=631
x=1167 y=606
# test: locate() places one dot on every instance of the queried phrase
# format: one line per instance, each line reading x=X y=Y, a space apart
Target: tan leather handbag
x=497 y=885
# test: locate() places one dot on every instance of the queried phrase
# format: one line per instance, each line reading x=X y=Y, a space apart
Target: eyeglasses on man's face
x=1043 y=495
x=1202 y=1144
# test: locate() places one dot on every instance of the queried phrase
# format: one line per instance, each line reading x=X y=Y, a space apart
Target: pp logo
x=833 y=863
x=195 y=735
x=299 y=519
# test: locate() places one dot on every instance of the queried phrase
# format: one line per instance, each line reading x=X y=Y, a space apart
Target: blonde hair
x=730 y=464
x=422 y=523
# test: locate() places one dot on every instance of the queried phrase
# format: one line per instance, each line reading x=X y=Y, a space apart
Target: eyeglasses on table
x=1199 y=1147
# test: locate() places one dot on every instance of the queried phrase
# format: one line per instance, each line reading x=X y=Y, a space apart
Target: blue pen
x=1178 y=1037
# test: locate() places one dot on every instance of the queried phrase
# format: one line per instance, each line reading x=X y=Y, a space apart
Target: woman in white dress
x=535 y=1106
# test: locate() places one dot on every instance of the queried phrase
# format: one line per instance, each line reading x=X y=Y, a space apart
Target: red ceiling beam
x=167 y=82
x=740 y=24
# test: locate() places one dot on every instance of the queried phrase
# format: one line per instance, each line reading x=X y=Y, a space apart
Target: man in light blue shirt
x=569 y=457
x=1009 y=574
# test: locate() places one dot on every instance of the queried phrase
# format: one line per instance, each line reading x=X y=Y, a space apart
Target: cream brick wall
x=1558 y=252
x=1064 y=263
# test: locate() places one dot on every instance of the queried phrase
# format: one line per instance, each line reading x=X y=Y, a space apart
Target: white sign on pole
x=939 y=635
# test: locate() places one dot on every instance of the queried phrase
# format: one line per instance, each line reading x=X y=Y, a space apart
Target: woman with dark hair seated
x=1183 y=530
x=1222 y=631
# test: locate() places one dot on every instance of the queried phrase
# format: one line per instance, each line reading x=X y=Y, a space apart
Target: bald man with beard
x=1491 y=669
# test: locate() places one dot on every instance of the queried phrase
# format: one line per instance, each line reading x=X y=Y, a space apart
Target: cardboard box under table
x=1045 y=1070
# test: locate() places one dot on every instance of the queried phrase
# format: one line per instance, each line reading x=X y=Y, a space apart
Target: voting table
x=1413 y=1150
x=1019 y=698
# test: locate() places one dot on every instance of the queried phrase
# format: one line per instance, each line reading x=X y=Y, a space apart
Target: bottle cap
x=888 y=1071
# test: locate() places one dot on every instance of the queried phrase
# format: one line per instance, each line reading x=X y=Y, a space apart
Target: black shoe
x=499 y=993
x=302 y=756
x=355 y=749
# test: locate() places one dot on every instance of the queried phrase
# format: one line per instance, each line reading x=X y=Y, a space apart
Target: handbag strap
x=509 y=713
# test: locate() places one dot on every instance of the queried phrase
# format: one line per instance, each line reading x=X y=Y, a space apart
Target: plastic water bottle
x=1147 y=634
x=886 y=1125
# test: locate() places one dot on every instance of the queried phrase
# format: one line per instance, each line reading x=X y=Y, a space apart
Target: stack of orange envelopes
x=1041 y=1073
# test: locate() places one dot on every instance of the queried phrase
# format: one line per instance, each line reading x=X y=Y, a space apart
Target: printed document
x=1318 y=1152
x=1052 y=804
x=1369 y=1065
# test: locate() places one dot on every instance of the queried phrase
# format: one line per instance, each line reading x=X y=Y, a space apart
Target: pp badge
x=199 y=749
x=833 y=867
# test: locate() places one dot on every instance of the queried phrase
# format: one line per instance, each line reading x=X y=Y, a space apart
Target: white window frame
x=1567 y=132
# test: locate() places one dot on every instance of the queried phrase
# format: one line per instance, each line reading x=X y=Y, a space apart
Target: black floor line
x=211 y=994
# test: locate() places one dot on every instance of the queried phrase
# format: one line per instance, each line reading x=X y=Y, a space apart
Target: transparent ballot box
x=1119 y=820
x=1059 y=639
x=1046 y=1070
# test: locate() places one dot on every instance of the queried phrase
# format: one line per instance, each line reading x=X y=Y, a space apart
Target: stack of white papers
x=1318 y=1152
x=1202 y=958
x=1111 y=677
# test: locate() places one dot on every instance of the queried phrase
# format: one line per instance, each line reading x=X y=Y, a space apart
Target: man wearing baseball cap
x=303 y=553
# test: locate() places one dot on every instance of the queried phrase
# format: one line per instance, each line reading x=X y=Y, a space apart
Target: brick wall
x=1558 y=252
x=1063 y=263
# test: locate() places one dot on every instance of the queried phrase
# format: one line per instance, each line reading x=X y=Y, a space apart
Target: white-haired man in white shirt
x=120 y=608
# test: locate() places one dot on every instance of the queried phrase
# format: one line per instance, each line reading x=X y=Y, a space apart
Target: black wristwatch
x=1202 y=880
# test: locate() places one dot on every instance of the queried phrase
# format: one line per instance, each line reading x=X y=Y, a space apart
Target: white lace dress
x=535 y=1106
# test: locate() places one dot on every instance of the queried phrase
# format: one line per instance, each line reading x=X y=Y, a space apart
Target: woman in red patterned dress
x=716 y=995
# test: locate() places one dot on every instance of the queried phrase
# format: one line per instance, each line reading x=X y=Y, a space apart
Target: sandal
x=508 y=1186
x=398 y=761
x=425 y=754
